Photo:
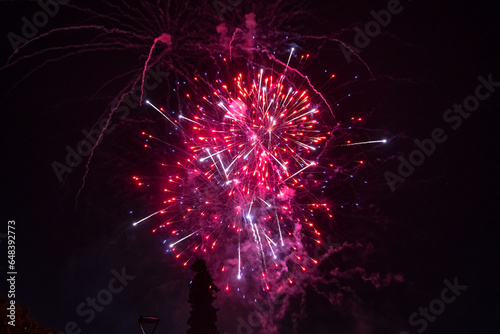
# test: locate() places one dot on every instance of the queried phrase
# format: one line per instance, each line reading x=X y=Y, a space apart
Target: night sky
x=439 y=224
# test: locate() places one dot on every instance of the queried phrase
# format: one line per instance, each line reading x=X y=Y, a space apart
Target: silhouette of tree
x=202 y=291
x=23 y=322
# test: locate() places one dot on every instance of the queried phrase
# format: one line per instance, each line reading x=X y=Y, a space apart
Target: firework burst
x=244 y=188
x=245 y=193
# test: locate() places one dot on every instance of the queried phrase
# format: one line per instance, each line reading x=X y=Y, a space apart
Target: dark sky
x=439 y=224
